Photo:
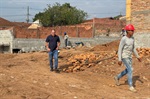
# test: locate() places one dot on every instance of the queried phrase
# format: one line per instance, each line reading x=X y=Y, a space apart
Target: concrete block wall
x=140 y=15
x=6 y=39
x=140 y=18
x=89 y=42
x=29 y=45
x=142 y=40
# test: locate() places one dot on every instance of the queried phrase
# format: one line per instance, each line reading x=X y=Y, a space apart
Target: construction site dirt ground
x=28 y=76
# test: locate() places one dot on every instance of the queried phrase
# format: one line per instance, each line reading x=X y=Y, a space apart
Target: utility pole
x=120 y=13
x=27 y=15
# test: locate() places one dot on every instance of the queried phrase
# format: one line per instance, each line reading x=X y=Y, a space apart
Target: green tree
x=117 y=17
x=59 y=14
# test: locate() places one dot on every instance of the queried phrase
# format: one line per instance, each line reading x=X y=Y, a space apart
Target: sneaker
x=132 y=89
x=116 y=80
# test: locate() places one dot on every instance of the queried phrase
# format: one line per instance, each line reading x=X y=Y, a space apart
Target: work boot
x=57 y=71
x=51 y=69
x=116 y=80
x=132 y=89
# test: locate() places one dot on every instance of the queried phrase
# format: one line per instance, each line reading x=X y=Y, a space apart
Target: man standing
x=125 y=50
x=52 y=46
x=123 y=32
x=66 y=39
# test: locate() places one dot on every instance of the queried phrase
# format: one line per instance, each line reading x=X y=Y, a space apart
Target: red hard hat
x=129 y=27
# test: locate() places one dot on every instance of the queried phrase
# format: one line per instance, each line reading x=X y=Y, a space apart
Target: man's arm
x=58 y=44
x=121 y=45
x=47 y=47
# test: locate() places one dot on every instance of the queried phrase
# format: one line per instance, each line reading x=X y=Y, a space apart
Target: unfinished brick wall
x=140 y=15
x=72 y=31
x=89 y=28
x=86 y=29
x=43 y=32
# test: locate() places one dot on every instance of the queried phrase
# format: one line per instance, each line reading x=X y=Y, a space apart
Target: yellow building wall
x=128 y=11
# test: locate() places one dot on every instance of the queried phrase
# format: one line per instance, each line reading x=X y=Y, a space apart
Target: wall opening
x=4 y=48
x=17 y=50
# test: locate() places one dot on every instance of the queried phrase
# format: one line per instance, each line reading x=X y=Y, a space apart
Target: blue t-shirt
x=52 y=40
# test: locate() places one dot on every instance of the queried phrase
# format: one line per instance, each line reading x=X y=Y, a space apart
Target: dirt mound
x=112 y=46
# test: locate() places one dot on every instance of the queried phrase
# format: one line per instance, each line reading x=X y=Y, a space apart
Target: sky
x=16 y=10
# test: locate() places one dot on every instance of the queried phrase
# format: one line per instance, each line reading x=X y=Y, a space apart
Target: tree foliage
x=117 y=17
x=59 y=14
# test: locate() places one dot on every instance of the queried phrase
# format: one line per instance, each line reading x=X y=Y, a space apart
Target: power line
x=13 y=7
x=20 y=8
x=12 y=15
x=36 y=9
x=105 y=13
x=27 y=15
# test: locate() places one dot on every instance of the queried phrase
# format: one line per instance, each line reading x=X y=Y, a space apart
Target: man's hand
x=119 y=63
x=57 y=48
x=139 y=59
x=48 y=49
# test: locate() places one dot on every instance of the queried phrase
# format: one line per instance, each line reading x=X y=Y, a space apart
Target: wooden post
x=93 y=32
x=77 y=31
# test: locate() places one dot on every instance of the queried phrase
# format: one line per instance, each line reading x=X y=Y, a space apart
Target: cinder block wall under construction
x=138 y=14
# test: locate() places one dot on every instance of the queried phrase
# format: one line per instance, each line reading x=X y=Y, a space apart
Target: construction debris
x=83 y=61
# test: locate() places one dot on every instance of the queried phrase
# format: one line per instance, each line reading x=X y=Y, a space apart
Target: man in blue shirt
x=52 y=46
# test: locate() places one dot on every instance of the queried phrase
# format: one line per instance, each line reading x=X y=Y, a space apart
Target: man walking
x=125 y=50
x=52 y=46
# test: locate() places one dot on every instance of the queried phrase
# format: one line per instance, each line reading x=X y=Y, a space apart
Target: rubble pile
x=82 y=61
x=143 y=51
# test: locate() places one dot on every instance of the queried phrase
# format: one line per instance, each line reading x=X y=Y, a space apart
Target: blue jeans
x=53 y=54
x=128 y=63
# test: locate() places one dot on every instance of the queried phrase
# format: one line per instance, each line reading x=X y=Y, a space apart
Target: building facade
x=138 y=14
